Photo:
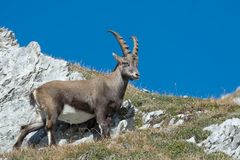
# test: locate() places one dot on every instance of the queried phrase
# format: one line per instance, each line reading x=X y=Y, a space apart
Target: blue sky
x=185 y=47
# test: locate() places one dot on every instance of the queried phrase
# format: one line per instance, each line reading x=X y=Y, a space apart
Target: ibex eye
x=126 y=63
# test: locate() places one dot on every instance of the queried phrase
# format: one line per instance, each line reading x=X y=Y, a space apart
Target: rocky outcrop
x=25 y=68
x=224 y=137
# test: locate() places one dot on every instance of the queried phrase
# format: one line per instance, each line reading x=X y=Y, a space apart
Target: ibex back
x=77 y=101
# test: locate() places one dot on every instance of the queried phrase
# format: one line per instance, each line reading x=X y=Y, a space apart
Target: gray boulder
x=224 y=137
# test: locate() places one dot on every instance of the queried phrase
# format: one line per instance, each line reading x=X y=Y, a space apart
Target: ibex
x=78 y=101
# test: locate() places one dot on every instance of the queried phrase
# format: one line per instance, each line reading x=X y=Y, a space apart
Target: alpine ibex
x=77 y=101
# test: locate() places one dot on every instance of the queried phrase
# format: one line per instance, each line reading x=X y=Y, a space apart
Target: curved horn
x=135 y=45
x=121 y=42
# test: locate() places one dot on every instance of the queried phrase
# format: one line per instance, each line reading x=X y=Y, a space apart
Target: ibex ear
x=118 y=59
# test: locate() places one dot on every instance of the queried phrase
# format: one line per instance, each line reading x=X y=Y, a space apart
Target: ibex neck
x=120 y=82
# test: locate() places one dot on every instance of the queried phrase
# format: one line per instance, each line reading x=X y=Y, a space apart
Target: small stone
x=150 y=116
x=179 y=122
x=175 y=122
x=181 y=116
x=191 y=140
x=62 y=142
x=86 y=139
x=145 y=126
x=158 y=125
x=171 y=122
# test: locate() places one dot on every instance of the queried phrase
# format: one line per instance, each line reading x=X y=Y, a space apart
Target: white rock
x=191 y=140
x=62 y=142
x=120 y=128
x=158 y=125
x=145 y=126
x=224 y=138
x=181 y=116
x=179 y=122
x=87 y=139
x=176 y=121
x=125 y=120
x=171 y=122
x=150 y=116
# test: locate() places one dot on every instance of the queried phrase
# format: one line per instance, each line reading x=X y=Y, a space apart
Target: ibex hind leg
x=50 y=123
x=37 y=124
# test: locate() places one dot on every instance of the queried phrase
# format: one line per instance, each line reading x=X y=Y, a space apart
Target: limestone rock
x=191 y=140
x=86 y=139
x=224 y=137
x=175 y=122
x=150 y=116
x=62 y=142
x=151 y=119
x=158 y=125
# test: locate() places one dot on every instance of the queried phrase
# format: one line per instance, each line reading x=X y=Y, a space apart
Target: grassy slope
x=162 y=143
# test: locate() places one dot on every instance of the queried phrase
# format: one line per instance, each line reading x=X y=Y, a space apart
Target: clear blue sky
x=185 y=47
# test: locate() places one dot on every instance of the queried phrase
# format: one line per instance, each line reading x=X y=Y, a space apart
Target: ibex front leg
x=103 y=122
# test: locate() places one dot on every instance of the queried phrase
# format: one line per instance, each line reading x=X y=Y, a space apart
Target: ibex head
x=128 y=63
